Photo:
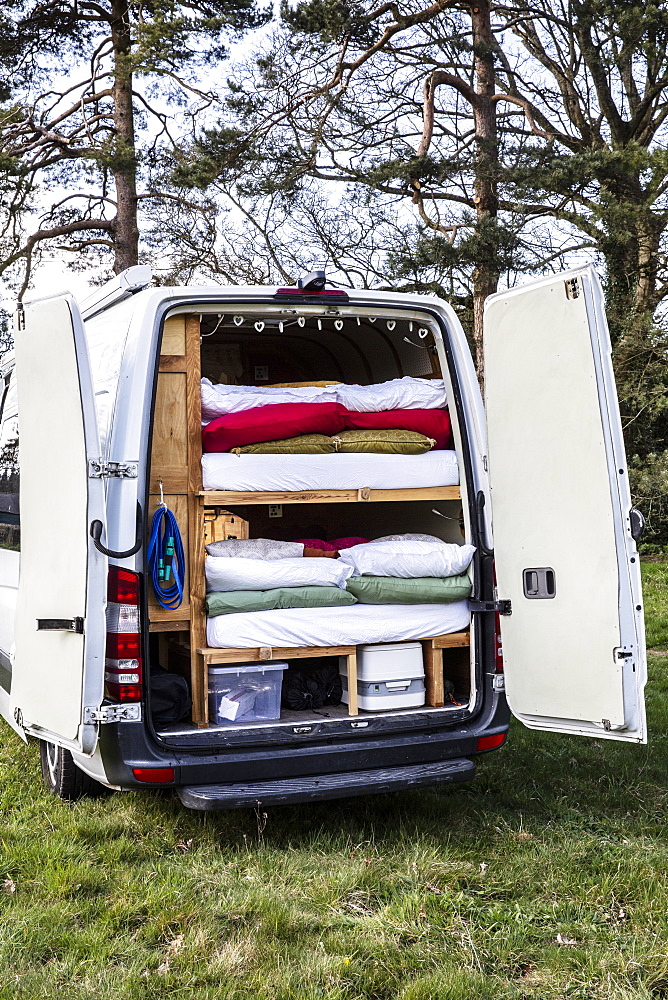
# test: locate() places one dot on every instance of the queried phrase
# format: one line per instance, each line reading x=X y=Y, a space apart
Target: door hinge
x=112 y=713
x=97 y=469
x=500 y=607
x=572 y=288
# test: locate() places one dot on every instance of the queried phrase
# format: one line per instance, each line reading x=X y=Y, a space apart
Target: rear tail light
x=490 y=742
x=498 y=646
x=123 y=662
x=154 y=775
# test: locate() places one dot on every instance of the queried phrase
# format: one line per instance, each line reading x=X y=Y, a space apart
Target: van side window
x=10 y=532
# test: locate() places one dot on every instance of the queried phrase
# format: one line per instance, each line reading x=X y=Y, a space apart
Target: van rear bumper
x=326 y=786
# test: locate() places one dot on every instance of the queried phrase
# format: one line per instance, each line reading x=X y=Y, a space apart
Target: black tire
x=63 y=778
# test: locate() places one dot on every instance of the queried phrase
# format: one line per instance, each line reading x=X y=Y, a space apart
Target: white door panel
x=63 y=576
x=560 y=504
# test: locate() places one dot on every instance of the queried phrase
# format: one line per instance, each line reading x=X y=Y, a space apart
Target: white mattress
x=359 y=624
x=292 y=473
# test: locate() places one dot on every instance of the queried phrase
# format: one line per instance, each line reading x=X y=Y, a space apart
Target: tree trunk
x=486 y=271
x=126 y=231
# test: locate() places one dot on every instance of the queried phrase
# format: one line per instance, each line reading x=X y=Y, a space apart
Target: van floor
x=290 y=717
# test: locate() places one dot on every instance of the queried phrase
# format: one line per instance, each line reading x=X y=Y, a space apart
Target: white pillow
x=407 y=559
x=411 y=536
x=225 y=574
x=399 y=394
x=220 y=399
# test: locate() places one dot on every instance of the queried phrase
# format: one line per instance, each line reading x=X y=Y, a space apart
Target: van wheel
x=62 y=777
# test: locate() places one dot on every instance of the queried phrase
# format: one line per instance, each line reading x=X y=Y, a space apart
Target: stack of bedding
x=292 y=438
x=397 y=588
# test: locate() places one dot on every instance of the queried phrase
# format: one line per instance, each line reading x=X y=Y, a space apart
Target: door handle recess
x=540 y=583
x=96 y=533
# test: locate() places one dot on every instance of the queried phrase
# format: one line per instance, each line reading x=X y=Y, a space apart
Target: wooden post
x=352 y=682
x=433 y=674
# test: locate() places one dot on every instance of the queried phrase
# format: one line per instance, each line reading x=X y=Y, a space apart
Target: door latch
x=499 y=607
x=61 y=625
x=572 y=288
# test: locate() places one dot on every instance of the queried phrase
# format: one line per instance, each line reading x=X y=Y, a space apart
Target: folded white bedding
x=291 y=473
x=359 y=624
x=399 y=394
x=236 y=573
x=220 y=399
x=406 y=393
x=408 y=559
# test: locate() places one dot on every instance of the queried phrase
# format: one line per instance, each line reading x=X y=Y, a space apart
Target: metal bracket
x=572 y=288
x=97 y=469
x=500 y=607
x=61 y=625
x=112 y=713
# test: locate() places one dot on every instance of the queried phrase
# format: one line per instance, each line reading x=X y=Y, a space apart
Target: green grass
x=432 y=895
x=655 y=591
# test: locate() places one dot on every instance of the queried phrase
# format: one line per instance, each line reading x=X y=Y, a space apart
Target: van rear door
x=58 y=669
x=574 y=645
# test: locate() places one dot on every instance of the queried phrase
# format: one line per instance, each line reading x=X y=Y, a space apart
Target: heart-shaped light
x=259 y=325
x=301 y=321
x=391 y=323
x=238 y=320
x=338 y=324
x=423 y=332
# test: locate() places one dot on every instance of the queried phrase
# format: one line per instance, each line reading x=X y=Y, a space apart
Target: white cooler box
x=388 y=676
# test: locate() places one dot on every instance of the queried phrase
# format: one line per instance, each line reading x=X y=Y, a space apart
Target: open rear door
x=574 y=645
x=60 y=620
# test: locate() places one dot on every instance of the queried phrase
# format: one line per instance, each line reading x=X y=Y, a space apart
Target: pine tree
x=85 y=88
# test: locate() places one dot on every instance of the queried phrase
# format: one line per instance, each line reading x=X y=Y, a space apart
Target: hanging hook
x=162 y=496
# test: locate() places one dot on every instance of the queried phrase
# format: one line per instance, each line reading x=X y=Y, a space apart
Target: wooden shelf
x=265 y=654
x=433 y=647
x=226 y=498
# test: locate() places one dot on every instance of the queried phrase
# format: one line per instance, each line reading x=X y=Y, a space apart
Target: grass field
x=545 y=878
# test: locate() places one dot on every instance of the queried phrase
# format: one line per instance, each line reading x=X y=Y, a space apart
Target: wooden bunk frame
x=176 y=469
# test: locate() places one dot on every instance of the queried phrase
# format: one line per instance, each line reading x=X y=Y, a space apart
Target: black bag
x=312 y=687
x=170 y=697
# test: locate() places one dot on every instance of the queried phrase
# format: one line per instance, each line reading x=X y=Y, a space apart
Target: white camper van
x=101 y=426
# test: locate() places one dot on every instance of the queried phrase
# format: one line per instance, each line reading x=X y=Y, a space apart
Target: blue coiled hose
x=166 y=561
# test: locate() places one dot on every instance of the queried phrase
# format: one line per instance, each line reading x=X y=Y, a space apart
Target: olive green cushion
x=388 y=442
x=305 y=444
x=423 y=590
x=235 y=601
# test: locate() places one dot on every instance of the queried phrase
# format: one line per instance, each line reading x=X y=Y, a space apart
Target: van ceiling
x=359 y=350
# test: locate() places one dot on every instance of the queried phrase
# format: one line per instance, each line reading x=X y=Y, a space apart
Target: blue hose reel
x=166 y=559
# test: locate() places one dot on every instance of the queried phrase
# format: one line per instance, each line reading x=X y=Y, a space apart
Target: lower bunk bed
x=269 y=637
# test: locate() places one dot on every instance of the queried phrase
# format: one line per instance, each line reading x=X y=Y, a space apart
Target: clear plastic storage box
x=245 y=693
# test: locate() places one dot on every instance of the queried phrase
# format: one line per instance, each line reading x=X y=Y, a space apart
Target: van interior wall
x=365 y=350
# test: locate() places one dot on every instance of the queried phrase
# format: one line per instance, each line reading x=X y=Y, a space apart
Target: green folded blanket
x=305 y=444
x=235 y=601
x=387 y=442
x=423 y=590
